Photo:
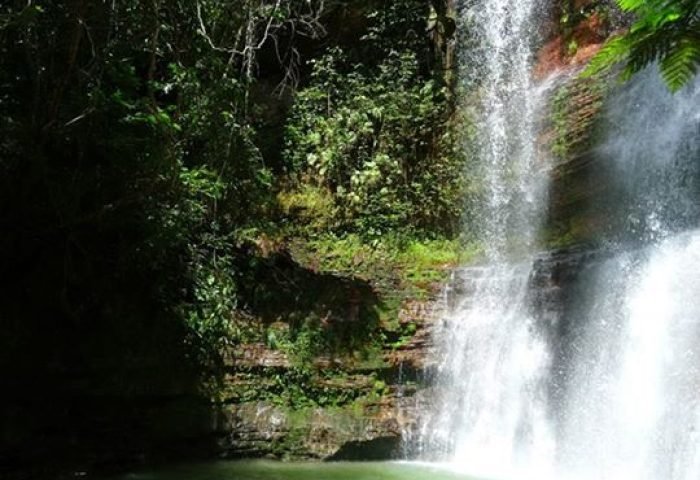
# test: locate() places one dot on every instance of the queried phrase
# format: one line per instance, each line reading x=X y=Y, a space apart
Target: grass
x=394 y=263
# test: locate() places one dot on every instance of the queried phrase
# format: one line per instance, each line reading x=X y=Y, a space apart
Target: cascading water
x=491 y=348
x=627 y=381
x=498 y=65
x=606 y=384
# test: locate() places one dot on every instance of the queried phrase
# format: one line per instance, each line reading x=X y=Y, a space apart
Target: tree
x=665 y=31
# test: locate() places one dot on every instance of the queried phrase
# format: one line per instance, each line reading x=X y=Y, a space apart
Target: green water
x=264 y=470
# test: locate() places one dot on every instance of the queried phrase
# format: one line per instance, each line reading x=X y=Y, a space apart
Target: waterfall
x=601 y=381
x=627 y=382
x=498 y=64
x=489 y=412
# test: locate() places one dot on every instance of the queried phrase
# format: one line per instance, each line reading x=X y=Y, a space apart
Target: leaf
x=665 y=31
x=630 y=5
x=25 y=17
x=614 y=51
x=678 y=68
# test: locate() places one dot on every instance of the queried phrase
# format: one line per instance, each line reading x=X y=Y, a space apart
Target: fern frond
x=666 y=31
x=647 y=48
x=630 y=5
x=614 y=51
x=681 y=65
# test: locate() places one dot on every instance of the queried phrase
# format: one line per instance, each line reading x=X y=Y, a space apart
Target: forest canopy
x=147 y=148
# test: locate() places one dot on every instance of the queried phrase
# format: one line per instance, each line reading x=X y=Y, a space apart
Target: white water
x=497 y=64
x=631 y=408
x=632 y=375
x=490 y=349
x=607 y=383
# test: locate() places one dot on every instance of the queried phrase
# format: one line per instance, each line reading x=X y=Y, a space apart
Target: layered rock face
x=365 y=409
x=381 y=404
x=583 y=193
x=265 y=404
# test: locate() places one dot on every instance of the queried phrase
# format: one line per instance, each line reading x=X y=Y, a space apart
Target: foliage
x=127 y=152
x=312 y=206
x=149 y=211
x=393 y=264
x=368 y=140
x=667 y=31
x=371 y=135
x=134 y=177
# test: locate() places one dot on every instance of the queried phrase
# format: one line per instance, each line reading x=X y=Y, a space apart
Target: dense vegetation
x=179 y=177
x=664 y=31
x=151 y=151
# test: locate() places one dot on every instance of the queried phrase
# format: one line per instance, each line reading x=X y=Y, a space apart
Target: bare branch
x=267 y=21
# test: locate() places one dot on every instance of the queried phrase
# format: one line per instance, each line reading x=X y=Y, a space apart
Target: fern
x=630 y=5
x=666 y=31
x=613 y=52
x=681 y=65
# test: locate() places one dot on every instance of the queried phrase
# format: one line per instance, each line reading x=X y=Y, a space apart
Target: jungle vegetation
x=161 y=159
x=156 y=154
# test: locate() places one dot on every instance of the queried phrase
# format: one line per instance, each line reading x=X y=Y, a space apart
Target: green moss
x=406 y=333
x=298 y=389
x=575 y=109
x=389 y=312
x=312 y=206
x=422 y=264
x=394 y=263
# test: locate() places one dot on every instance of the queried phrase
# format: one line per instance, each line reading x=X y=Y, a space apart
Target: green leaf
x=678 y=68
x=667 y=31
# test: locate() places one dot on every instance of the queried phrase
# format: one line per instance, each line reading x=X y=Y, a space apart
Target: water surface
x=268 y=470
